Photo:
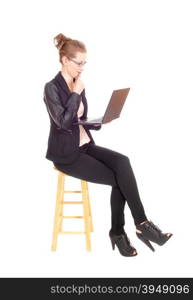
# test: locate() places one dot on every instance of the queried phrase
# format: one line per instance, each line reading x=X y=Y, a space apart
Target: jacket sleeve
x=93 y=127
x=62 y=116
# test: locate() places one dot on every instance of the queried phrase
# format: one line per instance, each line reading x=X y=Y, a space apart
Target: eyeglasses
x=78 y=63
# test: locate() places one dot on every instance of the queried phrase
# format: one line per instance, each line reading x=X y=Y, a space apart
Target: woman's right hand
x=78 y=85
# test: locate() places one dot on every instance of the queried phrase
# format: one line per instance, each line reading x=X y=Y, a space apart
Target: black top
x=62 y=106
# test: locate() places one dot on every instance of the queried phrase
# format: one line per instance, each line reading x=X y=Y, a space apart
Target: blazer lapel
x=84 y=101
x=62 y=83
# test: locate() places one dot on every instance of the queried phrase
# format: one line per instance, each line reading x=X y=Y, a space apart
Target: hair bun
x=60 y=40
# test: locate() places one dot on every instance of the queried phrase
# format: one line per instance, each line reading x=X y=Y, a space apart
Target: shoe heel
x=146 y=242
x=113 y=244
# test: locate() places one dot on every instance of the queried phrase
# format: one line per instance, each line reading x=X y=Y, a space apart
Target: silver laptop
x=113 y=109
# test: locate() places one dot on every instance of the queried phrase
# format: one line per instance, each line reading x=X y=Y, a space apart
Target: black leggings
x=101 y=165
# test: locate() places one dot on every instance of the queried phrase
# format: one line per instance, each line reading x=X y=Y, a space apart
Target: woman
x=73 y=151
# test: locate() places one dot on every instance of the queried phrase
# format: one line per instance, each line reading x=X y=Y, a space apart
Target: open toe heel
x=146 y=242
x=123 y=244
x=147 y=232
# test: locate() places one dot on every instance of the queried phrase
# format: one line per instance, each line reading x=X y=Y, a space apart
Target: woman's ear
x=64 y=59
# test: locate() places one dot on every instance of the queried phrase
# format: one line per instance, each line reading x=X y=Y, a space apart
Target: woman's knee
x=123 y=158
x=123 y=161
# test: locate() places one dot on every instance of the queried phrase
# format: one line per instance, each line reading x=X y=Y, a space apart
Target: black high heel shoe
x=151 y=232
x=123 y=244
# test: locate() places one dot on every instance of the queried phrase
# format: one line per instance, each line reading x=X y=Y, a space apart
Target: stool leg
x=89 y=209
x=57 y=210
x=86 y=214
x=61 y=213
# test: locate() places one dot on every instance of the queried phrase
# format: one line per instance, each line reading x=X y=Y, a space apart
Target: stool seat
x=59 y=210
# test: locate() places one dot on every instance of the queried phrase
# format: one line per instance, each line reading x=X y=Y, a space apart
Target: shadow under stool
x=59 y=210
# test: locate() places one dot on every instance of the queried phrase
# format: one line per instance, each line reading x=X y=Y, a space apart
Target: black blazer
x=62 y=106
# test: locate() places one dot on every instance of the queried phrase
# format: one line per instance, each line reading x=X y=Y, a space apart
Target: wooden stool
x=59 y=215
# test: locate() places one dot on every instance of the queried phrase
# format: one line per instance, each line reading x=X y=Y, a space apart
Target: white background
x=144 y=45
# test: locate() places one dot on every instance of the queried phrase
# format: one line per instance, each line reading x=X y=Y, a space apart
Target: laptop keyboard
x=94 y=120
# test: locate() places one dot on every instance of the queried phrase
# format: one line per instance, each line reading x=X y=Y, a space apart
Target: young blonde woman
x=73 y=151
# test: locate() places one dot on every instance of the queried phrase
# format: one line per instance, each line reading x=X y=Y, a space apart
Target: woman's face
x=75 y=65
